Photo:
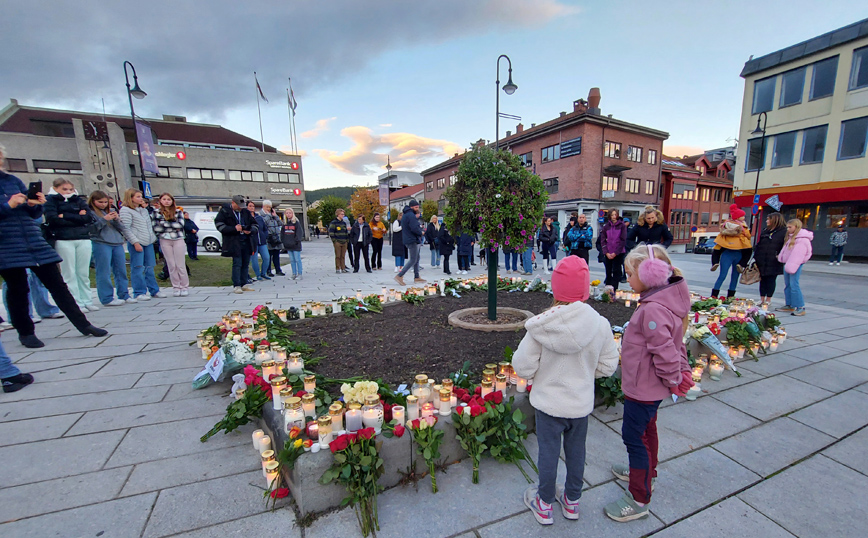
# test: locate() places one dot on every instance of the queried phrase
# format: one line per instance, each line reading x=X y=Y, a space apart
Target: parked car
x=704 y=246
x=209 y=238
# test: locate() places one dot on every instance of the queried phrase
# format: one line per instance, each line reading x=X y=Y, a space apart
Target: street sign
x=693 y=229
x=756 y=198
x=146 y=189
x=755 y=209
x=775 y=202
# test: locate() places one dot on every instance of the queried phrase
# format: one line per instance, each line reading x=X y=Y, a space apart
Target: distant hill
x=340 y=192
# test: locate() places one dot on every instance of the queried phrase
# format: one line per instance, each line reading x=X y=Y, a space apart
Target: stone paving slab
x=54 y=343
x=851 y=451
x=153 y=361
x=206 y=503
x=170 y=377
x=54 y=389
x=822 y=498
x=816 y=353
x=838 y=415
x=280 y=523
x=36 y=429
x=770 y=365
x=774 y=445
x=79 y=353
x=144 y=415
x=48 y=372
x=854 y=343
x=849 y=331
x=609 y=414
x=862 y=388
x=120 y=518
x=80 y=402
x=696 y=480
x=60 y=494
x=831 y=375
x=772 y=397
x=183 y=391
x=732 y=517
x=602 y=442
x=859 y=359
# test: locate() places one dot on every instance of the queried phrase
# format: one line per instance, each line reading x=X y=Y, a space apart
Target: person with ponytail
x=797 y=250
x=108 y=234
x=653 y=367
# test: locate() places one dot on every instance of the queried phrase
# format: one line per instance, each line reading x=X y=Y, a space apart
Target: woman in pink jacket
x=653 y=366
x=797 y=250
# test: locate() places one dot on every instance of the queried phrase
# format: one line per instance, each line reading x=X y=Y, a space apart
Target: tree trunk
x=492 y=283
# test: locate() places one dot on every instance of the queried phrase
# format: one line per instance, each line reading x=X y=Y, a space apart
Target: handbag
x=751 y=275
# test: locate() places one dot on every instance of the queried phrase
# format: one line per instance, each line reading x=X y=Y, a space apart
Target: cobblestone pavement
x=106 y=442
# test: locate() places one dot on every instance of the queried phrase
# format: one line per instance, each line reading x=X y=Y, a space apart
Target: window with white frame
x=441 y=183
x=792 y=87
x=813 y=144
x=785 y=148
x=451 y=180
x=652 y=156
x=610 y=183
x=612 y=150
x=649 y=187
x=763 y=95
x=823 y=78
x=551 y=185
x=634 y=153
x=526 y=159
x=853 y=137
x=859 y=71
x=632 y=185
x=429 y=186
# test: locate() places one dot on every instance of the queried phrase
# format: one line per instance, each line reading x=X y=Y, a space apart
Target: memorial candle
x=257 y=437
x=500 y=383
x=445 y=402
x=324 y=423
x=293 y=416
x=264 y=444
x=277 y=384
x=336 y=412
x=398 y=414
x=521 y=386
x=279 y=353
x=412 y=408
x=271 y=474
x=269 y=368
x=309 y=383
x=295 y=364
x=353 y=417
x=486 y=388
x=427 y=409
x=308 y=404
x=266 y=457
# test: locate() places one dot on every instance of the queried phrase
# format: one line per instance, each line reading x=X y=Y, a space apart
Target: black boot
x=730 y=293
x=16 y=382
x=715 y=293
x=90 y=330
x=30 y=341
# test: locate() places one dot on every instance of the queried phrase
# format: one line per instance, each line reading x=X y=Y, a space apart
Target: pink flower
x=524 y=232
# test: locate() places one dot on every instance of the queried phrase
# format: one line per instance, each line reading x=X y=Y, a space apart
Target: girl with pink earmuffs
x=653 y=367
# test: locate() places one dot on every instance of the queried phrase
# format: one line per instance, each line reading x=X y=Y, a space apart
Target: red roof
x=406 y=192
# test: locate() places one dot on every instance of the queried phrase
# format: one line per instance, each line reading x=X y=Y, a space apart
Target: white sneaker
x=116 y=302
x=56 y=315
x=5 y=326
x=238 y=289
x=184 y=293
x=36 y=319
x=159 y=295
x=176 y=293
x=144 y=297
x=831 y=263
x=299 y=277
x=92 y=307
x=839 y=263
x=132 y=300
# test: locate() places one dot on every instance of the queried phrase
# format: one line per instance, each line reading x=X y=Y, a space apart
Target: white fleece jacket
x=564 y=350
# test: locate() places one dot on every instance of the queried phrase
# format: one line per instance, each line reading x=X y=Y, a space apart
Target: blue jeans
x=7 y=369
x=837 y=254
x=792 y=290
x=527 y=260
x=511 y=260
x=142 y=270
x=38 y=298
x=262 y=251
x=435 y=257
x=110 y=261
x=399 y=261
x=295 y=261
x=549 y=432
x=728 y=261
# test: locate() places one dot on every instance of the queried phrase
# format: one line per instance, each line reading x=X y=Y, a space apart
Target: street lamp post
x=389 y=205
x=762 y=119
x=138 y=93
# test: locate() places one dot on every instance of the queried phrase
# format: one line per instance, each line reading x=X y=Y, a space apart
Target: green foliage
x=606 y=298
x=313 y=215
x=328 y=206
x=609 y=389
x=412 y=298
x=496 y=196
x=240 y=411
x=319 y=194
x=507 y=443
x=429 y=209
x=461 y=378
x=705 y=304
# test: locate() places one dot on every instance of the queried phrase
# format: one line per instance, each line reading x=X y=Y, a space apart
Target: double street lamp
x=138 y=93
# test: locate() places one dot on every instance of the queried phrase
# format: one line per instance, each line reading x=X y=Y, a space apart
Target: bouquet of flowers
x=507 y=446
x=357 y=467
x=428 y=441
x=704 y=336
x=249 y=406
x=237 y=353
x=359 y=390
x=472 y=430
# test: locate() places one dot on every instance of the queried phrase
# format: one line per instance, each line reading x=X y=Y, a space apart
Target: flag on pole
x=258 y=87
x=292 y=102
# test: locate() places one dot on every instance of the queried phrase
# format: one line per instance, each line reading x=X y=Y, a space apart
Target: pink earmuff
x=653 y=272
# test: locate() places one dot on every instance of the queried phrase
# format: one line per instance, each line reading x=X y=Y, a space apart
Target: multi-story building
x=696 y=195
x=396 y=179
x=401 y=197
x=812 y=99
x=201 y=165
x=588 y=162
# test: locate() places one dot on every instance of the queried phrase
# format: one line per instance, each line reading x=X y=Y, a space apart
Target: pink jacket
x=793 y=257
x=653 y=354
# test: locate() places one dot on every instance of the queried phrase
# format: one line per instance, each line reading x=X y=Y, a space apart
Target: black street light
x=762 y=119
x=138 y=93
x=389 y=187
x=508 y=88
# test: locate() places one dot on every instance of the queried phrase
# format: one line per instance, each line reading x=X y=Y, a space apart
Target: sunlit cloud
x=288 y=150
x=320 y=127
x=681 y=151
x=385 y=125
x=407 y=151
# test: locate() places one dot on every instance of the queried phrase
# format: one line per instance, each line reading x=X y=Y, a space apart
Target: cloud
x=368 y=154
x=321 y=127
x=197 y=57
x=681 y=151
x=385 y=125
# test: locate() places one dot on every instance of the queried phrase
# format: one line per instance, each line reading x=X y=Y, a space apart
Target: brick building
x=588 y=162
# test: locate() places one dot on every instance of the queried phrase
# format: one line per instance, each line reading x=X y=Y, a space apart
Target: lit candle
x=373 y=414
x=741 y=351
x=267 y=456
x=269 y=368
x=309 y=383
x=236 y=319
x=279 y=365
x=398 y=414
x=295 y=364
x=421 y=389
x=206 y=353
x=257 y=437
x=359 y=294
x=293 y=416
x=271 y=474
x=774 y=344
x=278 y=383
x=325 y=430
x=521 y=386
x=445 y=402
x=500 y=383
x=782 y=336
x=627 y=303
x=264 y=444
x=427 y=409
x=697 y=374
x=308 y=404
x=486 y=388
x=412 y=408
x=336 y=412
x=313 y=430
x=279 y=353
x=715 y=369
x=282 y=315
x=247 y=331
x=200 y=339
x=693 y=392
x=353 y=417
x=488 y=375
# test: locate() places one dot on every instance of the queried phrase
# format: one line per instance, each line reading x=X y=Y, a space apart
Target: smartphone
x=34 y=189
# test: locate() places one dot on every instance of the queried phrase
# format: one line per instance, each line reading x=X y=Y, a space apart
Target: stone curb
x=455 y=322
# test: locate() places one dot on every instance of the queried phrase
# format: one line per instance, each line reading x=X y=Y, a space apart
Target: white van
x=209 y=238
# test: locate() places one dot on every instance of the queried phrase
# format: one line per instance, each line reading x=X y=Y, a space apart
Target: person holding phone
x=22 y=247
x=138 y=222
x=108 y=235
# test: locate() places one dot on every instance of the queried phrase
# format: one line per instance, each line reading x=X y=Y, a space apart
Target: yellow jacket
x=733 y=242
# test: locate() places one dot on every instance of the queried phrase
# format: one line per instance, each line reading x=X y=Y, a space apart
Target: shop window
x=836 y=216
x=859 y=216
x=806 y=215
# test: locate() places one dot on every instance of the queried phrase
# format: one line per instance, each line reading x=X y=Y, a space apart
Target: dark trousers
x=767 y=285
x=350 y=253
x=551 y=432
x=582 y=253
x=274 y=253
x=613 y=270
x=193 y=251
x=377 y=252
x=446 y=263
x=359 y=250
x=240 y=267
x=18 y=297
x=837 y=254
x=463 y=262
x=639 y=433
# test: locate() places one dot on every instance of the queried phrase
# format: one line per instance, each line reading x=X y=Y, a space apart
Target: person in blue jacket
x=413 y=236
x=465 y=252
x=259 y=245
x=579 y=237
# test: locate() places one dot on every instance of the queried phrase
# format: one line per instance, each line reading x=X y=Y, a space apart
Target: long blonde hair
x=289 y=215
x=128 y=198
x=797 y=224
x=641 y=253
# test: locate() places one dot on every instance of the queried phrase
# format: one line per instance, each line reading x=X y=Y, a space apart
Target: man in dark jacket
x=236 y=224
x=259 y=245
x=465 y=252
x=360 y=239
x=191 y=239
x=446 y=245
x=340 y=236
x=412 y=235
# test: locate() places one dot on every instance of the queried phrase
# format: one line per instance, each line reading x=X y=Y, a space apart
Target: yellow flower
x=298 y=443
x=595 y=283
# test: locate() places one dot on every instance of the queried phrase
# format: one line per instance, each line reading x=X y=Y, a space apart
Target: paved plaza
x=106 y=441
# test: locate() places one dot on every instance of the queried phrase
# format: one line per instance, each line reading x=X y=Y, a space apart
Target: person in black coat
x=360 y=239
x=768 y=246
x=399 y=251
x=651 y=232
x=236 y=224
x=191 y=239
x=446 y=244
x=465 y=252
x=432 y=234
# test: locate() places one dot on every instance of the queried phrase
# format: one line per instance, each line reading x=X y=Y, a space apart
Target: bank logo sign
x=282 y=164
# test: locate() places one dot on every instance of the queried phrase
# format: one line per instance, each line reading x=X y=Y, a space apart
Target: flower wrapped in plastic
x=236 y=354
x=704 y=336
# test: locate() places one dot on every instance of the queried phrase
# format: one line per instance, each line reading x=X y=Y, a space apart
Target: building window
x=634 y=154
x=57 y=167
x=292 y=178
x=721 y=173
x=235 y=175
x=194 y=173
x=610 y=183
x=682 y=191
x=429 y=186
x=613 y=150
x=632 y=185
x=853 y=135
x=526 y=159
x=16 y=165
x=715 y=219
x=246 y=176
x=813 y=144
x=823 y=78
x=273 y=177
x=727 y=196
x=792 y=87
x=756 y=155
x=441 y=183
x=717 y=194
x=785 y=148
x=859 y=72
x=704 y=220
x=451 y=180
x=705 y=193
x=652 y=156
x=763 y=95
x=441 y=205
x=571 y=147
x=218 y=174
x=649 y=187
x=836 y=216
x=259 y=177
x=551 y=185
x=859 y=217
x=550 y=153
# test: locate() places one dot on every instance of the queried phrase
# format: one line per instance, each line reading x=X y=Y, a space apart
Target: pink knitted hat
x=571 y=280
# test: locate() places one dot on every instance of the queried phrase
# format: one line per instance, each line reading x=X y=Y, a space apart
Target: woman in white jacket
x=565 y=349
x=142 y=260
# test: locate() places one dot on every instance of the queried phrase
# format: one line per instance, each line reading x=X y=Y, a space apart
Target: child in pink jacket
x=653 y=366
x=797 y=250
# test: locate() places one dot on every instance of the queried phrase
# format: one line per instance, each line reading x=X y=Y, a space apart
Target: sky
x=406 y=80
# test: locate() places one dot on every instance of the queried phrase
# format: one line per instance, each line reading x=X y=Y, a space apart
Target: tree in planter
x=328 y=206
x=495 y=196
x=366 y=201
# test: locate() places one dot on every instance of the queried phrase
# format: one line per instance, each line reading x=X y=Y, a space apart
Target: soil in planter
x=406 y=340
x=481 y=318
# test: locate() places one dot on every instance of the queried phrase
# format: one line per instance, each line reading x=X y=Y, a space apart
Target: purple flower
x=512 y=203
x=513 y=193
x=480 y=218
x=507 y=241
x=520 y=217
x=493 y=248
x=500 y=226
x=524 y=232
x=477 y=203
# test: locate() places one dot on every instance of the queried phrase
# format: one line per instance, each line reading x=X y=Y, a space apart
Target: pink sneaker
x=568 y=507
x=531 y=500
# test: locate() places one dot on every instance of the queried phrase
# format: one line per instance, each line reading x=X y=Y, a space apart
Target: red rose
x=280 y=493
x=366 y=433
x=489 y=397
x=352 y=437
x=224 y=330
x=477 y=390
x=387 y=411
x=414 y=424
x=460 y=409
x=399 y=430
x=341 y=443
x=498 y=397
x=465 y=398
x=301 y=393
x=476 y=410
x=264 y=343
x=529 y=387
x=235 y=331
x=459 y=392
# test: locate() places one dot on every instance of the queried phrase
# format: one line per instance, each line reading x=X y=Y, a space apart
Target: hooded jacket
x=291 y=235
x=564 y=350
x=653 y=354
x=793 y=257
x=72 y=226
x=411 y=230
x=21 y=241
x=613 y=237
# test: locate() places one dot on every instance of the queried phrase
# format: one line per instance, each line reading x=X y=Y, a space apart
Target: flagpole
x=289 y=118
x=261 y=136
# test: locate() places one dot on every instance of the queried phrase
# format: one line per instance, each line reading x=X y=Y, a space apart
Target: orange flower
x=294 y=432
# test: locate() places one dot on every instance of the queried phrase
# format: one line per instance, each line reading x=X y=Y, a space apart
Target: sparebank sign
x=287 y=165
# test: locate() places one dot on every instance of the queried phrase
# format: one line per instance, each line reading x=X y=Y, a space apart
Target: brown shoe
x=399 y=280
x=419 y=280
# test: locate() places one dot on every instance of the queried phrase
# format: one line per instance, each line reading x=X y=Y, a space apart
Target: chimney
x=532 y=125
x=563 y=114
x=519 y=128
x=594 y=101
x=580 y=106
